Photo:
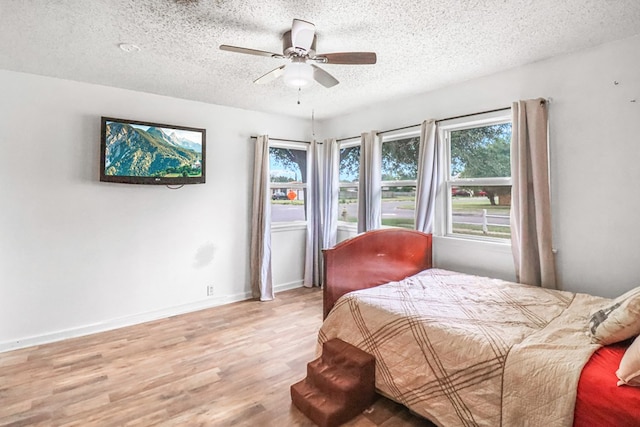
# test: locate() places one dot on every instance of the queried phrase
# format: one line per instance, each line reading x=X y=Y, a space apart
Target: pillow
x=618 y=321
x=629 y=371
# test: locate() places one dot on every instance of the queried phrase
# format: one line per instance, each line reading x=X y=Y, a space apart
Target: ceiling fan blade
x=347 y=58
x=270 y=76
x=249 y=51
x=324 y=78
x=302 y=33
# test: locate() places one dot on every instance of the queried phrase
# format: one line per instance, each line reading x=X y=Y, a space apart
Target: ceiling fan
x=299 y=46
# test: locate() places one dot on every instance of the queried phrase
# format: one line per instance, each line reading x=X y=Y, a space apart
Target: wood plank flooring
x=225 y=366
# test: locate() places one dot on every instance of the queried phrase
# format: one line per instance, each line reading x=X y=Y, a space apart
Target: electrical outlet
x=209 y=290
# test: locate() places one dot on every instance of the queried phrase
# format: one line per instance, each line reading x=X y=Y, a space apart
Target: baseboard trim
x=288 y=286
x=122 y=322
x=136 y=319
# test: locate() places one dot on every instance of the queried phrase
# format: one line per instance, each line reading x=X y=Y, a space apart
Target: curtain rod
x=495 y=110
x=437 y=121
x=284 y=140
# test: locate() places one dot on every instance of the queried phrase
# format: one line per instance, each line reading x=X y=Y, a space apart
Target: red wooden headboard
x=371 y=259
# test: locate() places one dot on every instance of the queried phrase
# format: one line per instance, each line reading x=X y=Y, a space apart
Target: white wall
x=78 y=255
x=288 y=245
x=595 y=156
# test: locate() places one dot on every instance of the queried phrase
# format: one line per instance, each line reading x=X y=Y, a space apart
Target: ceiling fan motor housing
x=289 y=50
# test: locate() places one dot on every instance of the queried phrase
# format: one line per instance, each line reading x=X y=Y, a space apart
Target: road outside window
x=288 y=176
x=479 y=181
x=349 y=170
x=399 y=175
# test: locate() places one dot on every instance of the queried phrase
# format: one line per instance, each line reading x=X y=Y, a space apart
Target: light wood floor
x=224 y=366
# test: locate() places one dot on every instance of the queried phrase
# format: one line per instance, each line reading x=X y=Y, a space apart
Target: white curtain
x=369 y=186
x=330 y=186
x=322 y=228
x=313 y=252
x=260 y=257
x=531 y=239
x=428 y=177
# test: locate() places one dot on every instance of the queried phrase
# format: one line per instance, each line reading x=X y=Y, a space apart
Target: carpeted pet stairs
x=339 y=385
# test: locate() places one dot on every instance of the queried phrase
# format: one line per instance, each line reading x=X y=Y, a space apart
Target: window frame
x=409 y=133
x=444 y=224
x=287 y=185
x=348 y=143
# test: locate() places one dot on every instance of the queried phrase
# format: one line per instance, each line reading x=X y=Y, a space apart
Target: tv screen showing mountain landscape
x=150 y=153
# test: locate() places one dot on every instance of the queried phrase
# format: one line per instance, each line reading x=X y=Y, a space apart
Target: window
x=349 y=175
x=478 y=181
x=288 y=176
x=399 y=176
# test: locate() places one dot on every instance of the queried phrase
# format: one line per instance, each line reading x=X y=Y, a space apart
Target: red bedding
x=600 y=402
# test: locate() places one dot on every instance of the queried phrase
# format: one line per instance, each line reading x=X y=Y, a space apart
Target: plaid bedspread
x=463 y=350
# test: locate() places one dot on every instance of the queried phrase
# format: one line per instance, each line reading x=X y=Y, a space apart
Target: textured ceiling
x=421 y=45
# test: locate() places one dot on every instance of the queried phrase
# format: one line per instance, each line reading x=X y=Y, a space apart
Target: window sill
x=288 y=226
x=348 y=226
x=485 y=244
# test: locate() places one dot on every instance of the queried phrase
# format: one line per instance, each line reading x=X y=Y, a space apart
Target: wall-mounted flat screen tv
x=135 y=152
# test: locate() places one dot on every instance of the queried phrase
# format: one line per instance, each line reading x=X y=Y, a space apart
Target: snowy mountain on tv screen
x=156 y=152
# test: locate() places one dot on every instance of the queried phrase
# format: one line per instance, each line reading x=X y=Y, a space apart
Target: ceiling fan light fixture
x=298 y=74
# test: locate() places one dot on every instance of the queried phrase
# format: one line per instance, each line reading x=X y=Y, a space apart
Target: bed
x=464 y=350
